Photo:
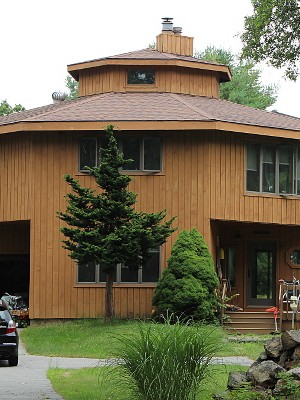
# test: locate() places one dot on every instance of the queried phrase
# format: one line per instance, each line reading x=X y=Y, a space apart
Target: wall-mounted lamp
x=221 y=253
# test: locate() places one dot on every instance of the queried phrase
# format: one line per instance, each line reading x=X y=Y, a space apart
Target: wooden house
x=231 y=171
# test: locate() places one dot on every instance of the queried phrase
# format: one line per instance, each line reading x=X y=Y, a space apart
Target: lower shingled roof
x=145 y=107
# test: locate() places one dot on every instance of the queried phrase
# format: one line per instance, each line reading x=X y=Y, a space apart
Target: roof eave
x=75 y=69
x=224 y=126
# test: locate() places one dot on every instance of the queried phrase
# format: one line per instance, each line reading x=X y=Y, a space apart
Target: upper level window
x=145 y=153
x=93 y=273
x=140 y=77
x=273 y=169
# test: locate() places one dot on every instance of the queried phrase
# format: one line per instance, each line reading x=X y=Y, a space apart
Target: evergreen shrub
x=187 y=286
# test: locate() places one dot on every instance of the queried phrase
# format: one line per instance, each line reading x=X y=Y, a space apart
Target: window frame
x=118 y=280
x=98 y=142
x=294 y=169
x=141 y=84
x=289 y=258
x=142 y=153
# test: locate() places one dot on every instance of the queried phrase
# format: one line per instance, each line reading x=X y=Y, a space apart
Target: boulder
x=274 y=348
x=236 y=379
x=264 y=374
x=290 y=339
x=296 y=353
x=283 y=358
x=295 y=372
x=262 y=357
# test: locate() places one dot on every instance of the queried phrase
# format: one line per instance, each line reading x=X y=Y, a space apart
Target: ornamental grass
x=167 y=362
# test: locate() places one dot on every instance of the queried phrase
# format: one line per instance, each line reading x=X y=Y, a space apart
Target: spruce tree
x=104 y=227
x=186 y=288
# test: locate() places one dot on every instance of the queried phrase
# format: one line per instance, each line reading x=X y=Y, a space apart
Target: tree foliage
x=272 y=34
x=245 y=87
x=6 y=109
x=187 y=285
x=104 y=227
x=72 y=87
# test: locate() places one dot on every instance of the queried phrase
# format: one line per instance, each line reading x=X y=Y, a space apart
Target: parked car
x=9 y=338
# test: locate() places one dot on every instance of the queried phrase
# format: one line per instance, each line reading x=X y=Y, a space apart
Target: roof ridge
x=65 y=105
x=180 y=99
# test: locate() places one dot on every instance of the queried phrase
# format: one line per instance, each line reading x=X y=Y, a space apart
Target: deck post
x=281 y=282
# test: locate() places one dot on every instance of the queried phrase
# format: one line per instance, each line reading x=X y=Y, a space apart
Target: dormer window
x=140 y=77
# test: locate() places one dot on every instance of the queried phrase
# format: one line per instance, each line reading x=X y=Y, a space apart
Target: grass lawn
x=105 y=383
x=96 y=339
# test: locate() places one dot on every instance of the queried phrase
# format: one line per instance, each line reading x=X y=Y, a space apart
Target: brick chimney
x=170 y=40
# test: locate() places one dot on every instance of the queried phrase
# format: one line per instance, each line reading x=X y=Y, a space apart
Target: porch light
x=221 y=253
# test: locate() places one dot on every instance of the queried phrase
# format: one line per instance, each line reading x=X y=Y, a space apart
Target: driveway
x=28 y=381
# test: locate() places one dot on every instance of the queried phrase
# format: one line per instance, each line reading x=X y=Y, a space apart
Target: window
x=273 y=169
x=293 y=257
x=145 y=153
x=93 y=273
x=87 y=153
x=140 y=77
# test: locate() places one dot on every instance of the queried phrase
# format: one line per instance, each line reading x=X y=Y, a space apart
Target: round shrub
x=187 y=286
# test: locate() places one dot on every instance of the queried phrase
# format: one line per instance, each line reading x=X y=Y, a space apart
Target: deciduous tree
x=272 y=34
x=72 y=87
x=245 y=86
x=6 y=109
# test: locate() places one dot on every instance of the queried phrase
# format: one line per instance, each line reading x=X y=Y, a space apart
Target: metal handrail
x=286 y=291
x=223 y=296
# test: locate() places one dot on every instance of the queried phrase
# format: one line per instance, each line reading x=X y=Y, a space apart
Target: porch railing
x=223 y=298
x=289 y=302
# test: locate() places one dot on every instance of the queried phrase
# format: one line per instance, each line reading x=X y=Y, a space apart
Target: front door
x=261 y=265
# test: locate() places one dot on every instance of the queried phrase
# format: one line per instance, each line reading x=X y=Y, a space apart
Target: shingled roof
x=150 y=55
x=150 y=107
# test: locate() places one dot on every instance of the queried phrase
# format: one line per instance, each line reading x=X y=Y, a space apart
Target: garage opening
x=15 y=259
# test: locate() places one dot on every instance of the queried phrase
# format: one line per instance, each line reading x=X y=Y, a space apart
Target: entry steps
x=243 y=322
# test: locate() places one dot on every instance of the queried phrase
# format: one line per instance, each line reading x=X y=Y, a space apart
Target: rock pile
x=281 y=354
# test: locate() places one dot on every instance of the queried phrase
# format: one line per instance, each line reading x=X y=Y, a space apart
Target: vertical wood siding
x=168 y=79
x=203 y=179
x=176 y=44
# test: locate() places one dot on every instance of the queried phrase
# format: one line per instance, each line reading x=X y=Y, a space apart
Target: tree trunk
x=109 y=295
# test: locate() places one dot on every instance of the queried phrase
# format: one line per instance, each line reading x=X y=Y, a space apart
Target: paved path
x=28 y=381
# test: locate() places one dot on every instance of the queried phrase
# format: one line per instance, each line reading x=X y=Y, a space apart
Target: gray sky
x=41 y=37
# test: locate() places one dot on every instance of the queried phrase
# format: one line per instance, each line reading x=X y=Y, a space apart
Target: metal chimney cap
x=167 y=24
x=177 y=30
